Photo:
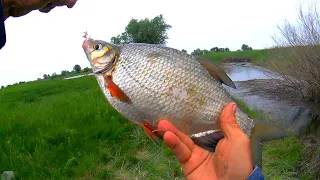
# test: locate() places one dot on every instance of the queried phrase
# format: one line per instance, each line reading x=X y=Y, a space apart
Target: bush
x=297 y=55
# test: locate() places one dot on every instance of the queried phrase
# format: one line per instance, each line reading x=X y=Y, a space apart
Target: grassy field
x=65 y=129
x=255 y=56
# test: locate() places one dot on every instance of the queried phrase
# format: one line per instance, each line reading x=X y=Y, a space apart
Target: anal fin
x=209 y=141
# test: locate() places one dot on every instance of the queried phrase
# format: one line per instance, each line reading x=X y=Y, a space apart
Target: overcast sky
x=46 y=43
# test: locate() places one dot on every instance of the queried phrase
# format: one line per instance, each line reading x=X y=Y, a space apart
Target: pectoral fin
x=115 y=91
x=217 y=73
x=152 y=133
x=261 y=133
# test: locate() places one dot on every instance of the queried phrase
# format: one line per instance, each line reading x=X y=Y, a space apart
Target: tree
x=205 y=51
x=144 y=31
x=227 y=50
x=215 y=49
x=245 y=47
x=2 y=87
x=86 y=69
x=46 y=76
x=54 y=75
x=221 y=49
x=197 y=52
x=77 y=68
x=183 y=50
x=64 y=72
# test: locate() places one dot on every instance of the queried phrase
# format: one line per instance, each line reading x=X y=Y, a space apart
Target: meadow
x=254 y=56
x=65 y=129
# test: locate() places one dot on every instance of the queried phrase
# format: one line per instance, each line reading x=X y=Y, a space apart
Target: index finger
x=165 y=125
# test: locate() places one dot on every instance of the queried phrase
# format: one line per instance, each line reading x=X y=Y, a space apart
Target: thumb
x=228 y=124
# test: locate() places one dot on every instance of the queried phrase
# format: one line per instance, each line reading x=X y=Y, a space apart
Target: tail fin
x=261 y=133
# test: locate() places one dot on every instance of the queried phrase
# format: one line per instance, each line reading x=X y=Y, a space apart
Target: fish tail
x=263 y=132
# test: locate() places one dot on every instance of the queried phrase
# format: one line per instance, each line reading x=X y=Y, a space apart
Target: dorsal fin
x=217 y=73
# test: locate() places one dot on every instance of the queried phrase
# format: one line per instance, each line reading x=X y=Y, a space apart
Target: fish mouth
x=106 y=68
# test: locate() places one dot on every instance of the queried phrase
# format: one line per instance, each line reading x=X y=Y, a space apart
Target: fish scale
x=202 y=106
x=146 y=83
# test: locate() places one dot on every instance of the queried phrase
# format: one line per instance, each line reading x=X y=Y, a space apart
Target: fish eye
x=96 y=46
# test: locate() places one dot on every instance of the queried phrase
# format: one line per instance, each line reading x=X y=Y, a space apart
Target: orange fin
x=115 y=91
x=153 y=134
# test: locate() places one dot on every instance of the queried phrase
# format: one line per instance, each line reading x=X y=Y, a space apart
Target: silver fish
x=147 y=82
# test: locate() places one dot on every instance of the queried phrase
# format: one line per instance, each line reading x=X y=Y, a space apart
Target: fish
x=150 y=82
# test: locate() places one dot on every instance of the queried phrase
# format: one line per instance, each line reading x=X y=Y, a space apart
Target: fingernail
x=234 y=107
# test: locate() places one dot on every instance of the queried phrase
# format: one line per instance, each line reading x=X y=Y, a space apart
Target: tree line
x=154 y=31
x=76 y=70
x=199 y=51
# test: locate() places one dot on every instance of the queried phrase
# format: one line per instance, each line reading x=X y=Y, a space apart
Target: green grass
x=255 y=55
x=65 y=129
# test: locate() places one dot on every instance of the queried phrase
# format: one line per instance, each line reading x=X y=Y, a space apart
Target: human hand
x=16 y=8
x=231 y=159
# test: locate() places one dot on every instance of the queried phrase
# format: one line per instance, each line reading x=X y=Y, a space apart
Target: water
x=295 y=118
x=247 y=71
x=73 y=77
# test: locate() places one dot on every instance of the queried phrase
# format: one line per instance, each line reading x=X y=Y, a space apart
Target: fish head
x=101 y=55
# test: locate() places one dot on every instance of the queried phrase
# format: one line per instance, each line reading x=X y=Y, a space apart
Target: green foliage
x=199 y=52
x=183 y=50
x=144 y=31
x=245 y=47
x=64 y=72
x=214 y=49
x=46 y=76
x=86 y=69
x=54 y=75
x=77 y=68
